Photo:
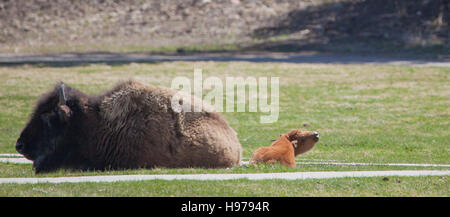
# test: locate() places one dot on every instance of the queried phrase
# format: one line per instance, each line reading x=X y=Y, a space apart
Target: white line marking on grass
x=25 y=161
x=15 y=160
x=11 y=155
x=298 y=159
x=367 y=164
x=314 y=160
x=375 y=164
x=205 y=177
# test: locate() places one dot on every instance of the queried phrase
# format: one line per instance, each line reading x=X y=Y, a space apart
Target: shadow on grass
x=369 y=27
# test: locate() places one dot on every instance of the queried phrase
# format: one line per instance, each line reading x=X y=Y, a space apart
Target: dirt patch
x=355 y=26
x=114 y=24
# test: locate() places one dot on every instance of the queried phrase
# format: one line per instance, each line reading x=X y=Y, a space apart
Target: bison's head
x=303 y=141
x=43 y=138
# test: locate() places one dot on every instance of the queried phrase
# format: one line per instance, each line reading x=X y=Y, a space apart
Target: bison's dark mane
x=47 y=104
x=84 y=121
x=49 y=100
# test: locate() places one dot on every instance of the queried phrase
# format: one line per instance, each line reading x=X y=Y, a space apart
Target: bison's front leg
x=47 y=163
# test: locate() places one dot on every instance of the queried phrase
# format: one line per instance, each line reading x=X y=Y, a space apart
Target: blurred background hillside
x=371 y=27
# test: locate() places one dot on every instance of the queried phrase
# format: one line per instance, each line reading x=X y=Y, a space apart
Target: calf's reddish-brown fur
x=285 y=148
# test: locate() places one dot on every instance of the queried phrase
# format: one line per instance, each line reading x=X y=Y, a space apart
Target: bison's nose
x=19 y=147
x=316 y=134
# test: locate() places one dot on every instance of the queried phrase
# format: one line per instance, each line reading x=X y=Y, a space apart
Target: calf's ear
x=292 y=134
x=64 y=111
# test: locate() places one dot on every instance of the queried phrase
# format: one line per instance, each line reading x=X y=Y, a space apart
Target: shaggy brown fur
x=285 y=148
x=130 y=126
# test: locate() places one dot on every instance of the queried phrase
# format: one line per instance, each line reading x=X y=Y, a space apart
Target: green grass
x=364 y=113
x=394 y=187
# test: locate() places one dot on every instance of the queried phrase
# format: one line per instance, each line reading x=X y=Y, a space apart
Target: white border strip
x=205 y=177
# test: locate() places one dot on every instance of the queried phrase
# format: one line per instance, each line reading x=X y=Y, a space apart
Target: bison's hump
x=132 y=97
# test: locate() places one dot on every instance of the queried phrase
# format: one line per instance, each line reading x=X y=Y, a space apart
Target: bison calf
x=130 y=126
x=285 y=148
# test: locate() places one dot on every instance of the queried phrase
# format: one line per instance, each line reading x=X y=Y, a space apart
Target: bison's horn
x=62 y=95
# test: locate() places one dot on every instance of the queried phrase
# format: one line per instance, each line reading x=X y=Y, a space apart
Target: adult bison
x=131 y=126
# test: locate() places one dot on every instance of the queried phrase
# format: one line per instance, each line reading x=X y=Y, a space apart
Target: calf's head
x=42 y=139
x=303 y=141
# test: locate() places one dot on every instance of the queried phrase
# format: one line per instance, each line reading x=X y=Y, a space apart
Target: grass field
x=395 y=186
x=364 y=113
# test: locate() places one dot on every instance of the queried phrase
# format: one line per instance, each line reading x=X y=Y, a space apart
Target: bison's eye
x=46 y=119
x=49 y=119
